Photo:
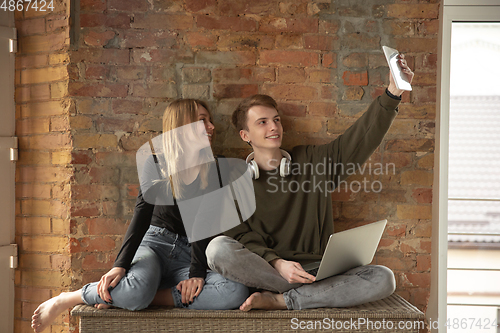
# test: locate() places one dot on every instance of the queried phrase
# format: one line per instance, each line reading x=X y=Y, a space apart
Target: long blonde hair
x=179 y=113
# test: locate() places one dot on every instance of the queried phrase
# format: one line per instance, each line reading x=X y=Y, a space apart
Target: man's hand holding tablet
x=400 y=72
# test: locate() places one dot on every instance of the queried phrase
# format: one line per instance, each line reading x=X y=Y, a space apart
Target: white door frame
x=8 y=154
x=451 y=11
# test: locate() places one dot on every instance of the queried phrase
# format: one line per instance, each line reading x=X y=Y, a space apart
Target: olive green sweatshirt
x=293 y=218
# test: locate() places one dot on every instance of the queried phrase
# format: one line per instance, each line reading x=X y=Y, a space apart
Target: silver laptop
x=348 y=249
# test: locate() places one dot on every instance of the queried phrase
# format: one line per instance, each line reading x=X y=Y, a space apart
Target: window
x=474 y=178
x=465 y=206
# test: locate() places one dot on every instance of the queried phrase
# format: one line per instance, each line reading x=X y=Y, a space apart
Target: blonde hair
x=179 y=113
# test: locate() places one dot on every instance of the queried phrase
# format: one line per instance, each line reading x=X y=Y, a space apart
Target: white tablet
x=399 y=77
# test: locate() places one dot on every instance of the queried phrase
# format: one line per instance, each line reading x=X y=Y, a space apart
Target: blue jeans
x=162 y=261
x=357 y=286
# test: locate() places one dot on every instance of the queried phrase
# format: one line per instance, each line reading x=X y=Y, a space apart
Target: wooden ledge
x=391 y=309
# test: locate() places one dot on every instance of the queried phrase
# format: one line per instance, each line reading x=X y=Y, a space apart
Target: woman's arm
x=193 y=286
x=135 y=232
x=139 y=224
x=141 y=220
x=143 y=213
x=199 y=263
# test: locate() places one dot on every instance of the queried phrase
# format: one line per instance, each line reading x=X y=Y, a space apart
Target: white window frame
x=451 y=11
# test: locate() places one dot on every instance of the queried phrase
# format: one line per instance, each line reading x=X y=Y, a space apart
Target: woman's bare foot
x=102 y=306
x=48 y=311
x=265 y=300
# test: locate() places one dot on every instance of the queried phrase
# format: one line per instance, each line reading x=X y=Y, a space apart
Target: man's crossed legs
x=232 y=260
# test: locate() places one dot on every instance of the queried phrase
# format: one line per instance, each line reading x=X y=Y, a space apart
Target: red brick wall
x=85 y=111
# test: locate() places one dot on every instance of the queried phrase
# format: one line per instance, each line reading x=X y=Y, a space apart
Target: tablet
x=399 y=77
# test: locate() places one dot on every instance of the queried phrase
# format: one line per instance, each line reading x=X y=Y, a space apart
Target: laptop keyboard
x=313 y=271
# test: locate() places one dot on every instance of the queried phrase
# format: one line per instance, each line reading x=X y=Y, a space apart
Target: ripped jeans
x=359 y=285
x=162 y=261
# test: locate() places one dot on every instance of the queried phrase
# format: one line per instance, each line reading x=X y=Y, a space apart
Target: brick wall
x=83 y=112
x=43 y=171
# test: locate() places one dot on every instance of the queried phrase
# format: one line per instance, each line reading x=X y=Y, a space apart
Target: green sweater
x=293 y=218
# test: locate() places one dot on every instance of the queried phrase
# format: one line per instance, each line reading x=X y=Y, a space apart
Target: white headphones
x=284 y=165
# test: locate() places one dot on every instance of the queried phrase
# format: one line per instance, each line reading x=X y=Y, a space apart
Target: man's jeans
x=162 y=261
x=356 y=286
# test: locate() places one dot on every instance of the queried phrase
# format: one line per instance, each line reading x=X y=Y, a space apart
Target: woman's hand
x=109 y=281
x=190 y=289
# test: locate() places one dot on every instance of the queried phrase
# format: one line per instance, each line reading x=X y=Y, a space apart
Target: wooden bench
x=392 y=314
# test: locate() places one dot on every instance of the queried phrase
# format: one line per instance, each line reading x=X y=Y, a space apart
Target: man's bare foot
x=265 y=300
x=48 y=311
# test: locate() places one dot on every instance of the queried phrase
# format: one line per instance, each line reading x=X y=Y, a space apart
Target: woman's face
x=207 y=121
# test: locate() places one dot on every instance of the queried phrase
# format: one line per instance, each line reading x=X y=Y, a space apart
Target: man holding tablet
x=292 y=224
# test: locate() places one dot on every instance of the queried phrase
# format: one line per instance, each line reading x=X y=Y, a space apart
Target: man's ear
x=244 y=135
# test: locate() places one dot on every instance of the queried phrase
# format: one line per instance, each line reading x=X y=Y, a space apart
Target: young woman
x=156 y=264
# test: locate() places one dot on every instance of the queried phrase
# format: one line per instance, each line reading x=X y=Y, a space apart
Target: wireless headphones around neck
x=284 y=165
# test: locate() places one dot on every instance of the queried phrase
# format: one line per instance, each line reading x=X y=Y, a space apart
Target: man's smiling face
x=264 y=127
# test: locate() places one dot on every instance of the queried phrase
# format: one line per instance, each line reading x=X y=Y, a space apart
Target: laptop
x=348 y=249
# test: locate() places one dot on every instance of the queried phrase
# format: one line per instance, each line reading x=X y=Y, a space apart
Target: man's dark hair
x=239 y=118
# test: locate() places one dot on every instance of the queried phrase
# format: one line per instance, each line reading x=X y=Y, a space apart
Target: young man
x=293 y=218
